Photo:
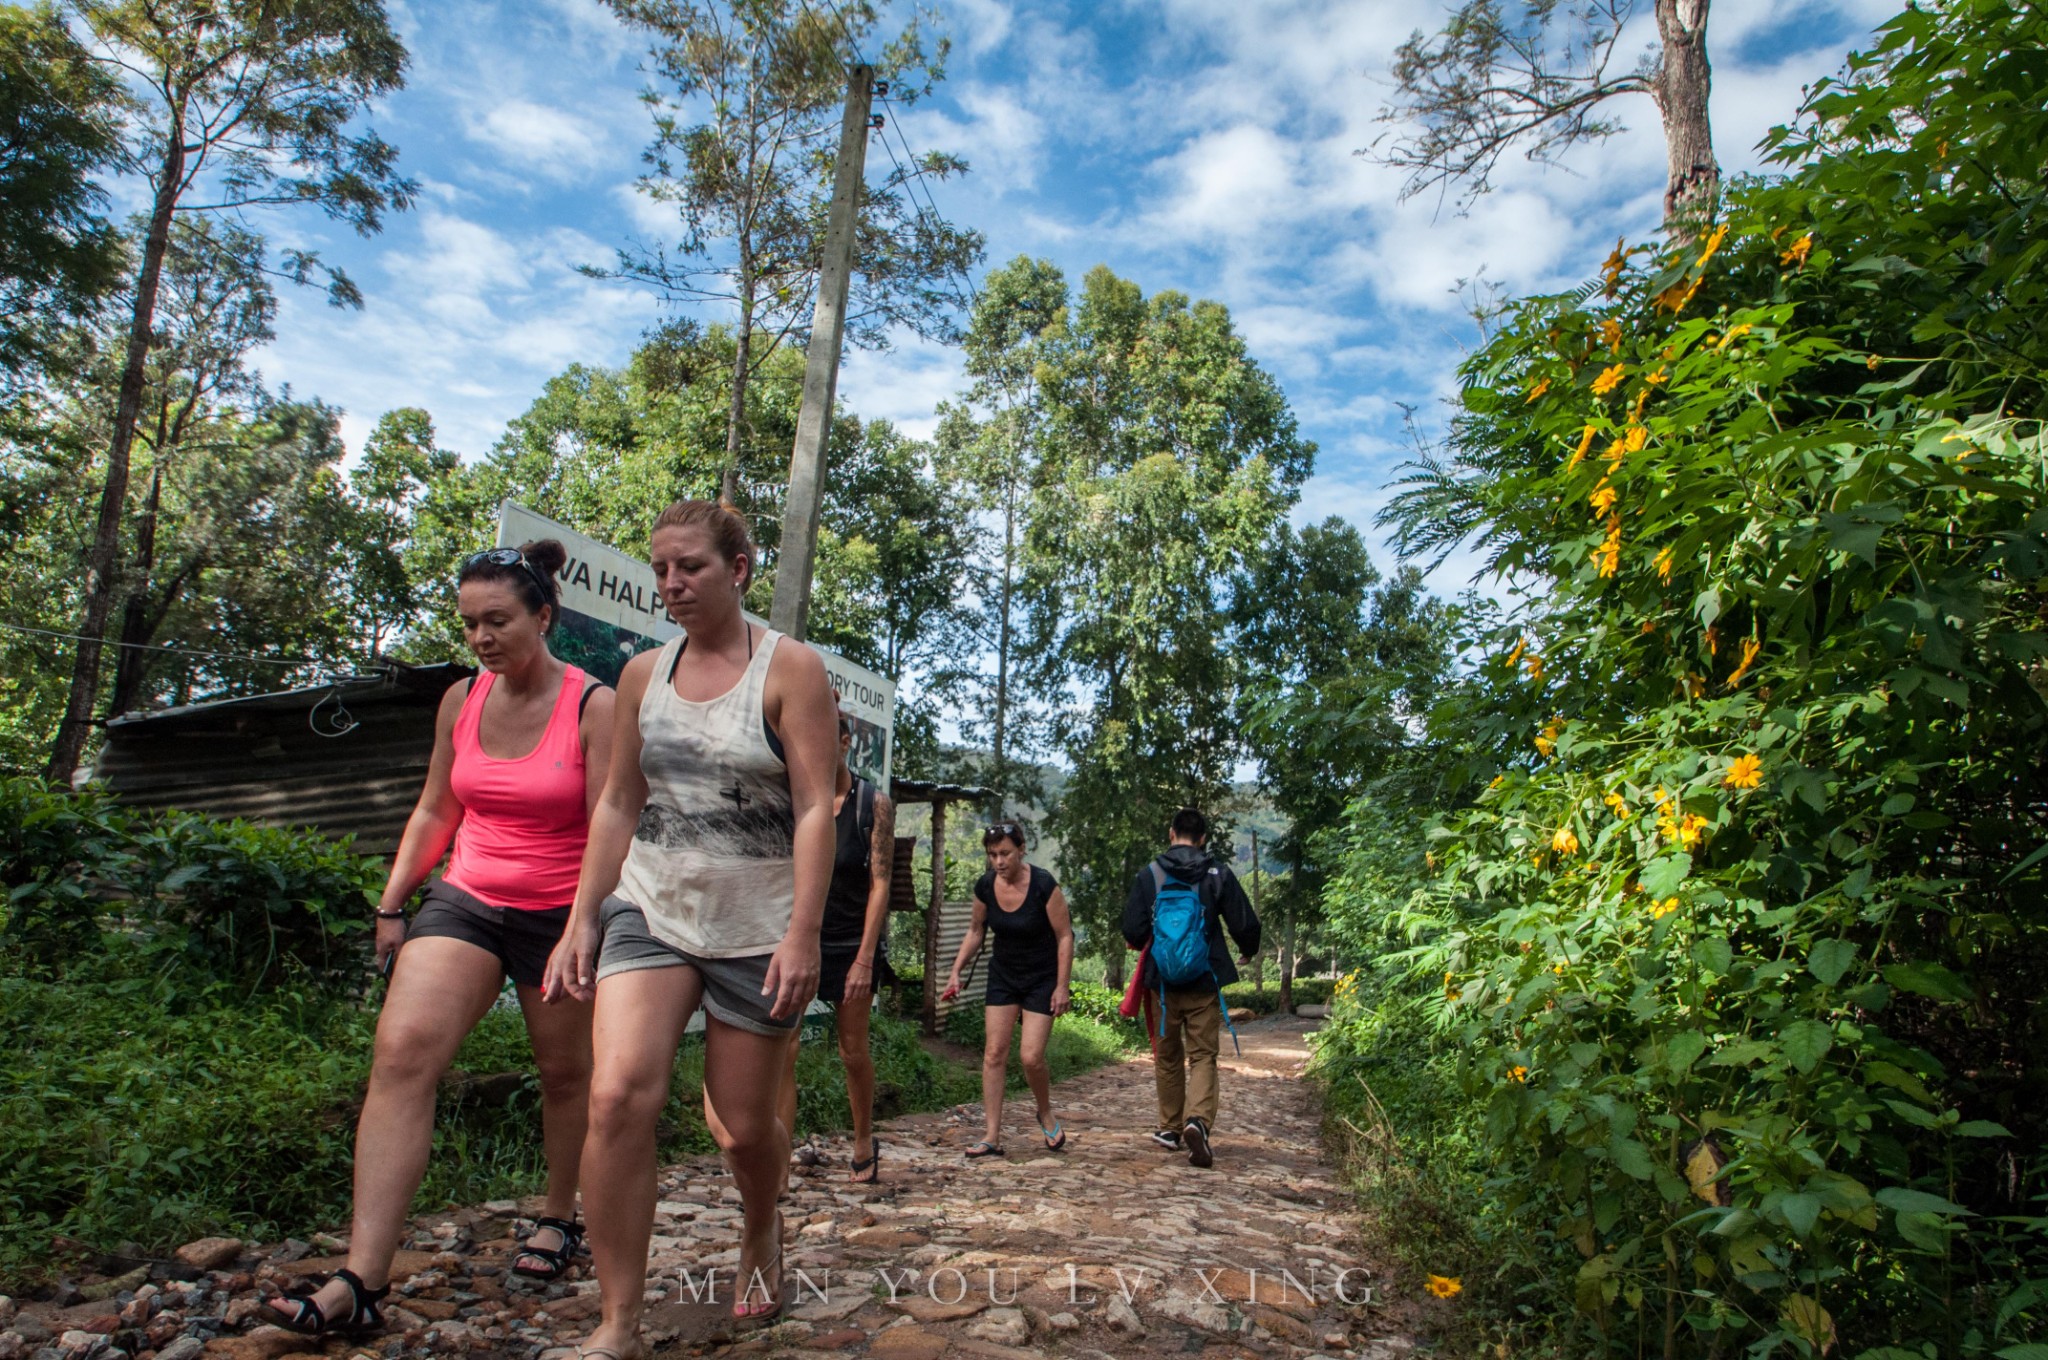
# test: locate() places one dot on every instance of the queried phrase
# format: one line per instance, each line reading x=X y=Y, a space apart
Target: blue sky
x=1199 y=145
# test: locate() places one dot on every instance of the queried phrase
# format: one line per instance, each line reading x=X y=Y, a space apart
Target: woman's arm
x=599 y=713
x=1063 y=930
x=572 y=968
x=430 y=828
x=860 y=979
x=805 y=716
x=977 y=926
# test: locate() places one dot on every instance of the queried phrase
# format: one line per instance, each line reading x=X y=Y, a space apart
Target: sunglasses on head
x=504 y=557
x=1010 y=829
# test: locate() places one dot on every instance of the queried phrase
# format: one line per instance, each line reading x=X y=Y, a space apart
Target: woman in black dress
x=1027 y=977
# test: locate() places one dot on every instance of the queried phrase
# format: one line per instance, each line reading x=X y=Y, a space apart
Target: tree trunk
x=999 y=765
x=1287 y=961
x=131 y=666
x=736 y=407
x=1682 y=83
x=102 y=579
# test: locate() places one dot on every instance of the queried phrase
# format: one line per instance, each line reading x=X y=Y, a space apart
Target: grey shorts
x=732 y=987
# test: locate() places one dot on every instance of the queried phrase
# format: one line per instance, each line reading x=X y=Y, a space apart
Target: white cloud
x=541 y=141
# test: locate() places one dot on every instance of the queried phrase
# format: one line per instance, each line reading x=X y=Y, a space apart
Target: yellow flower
x=1516 y=655
x=1609 y=379
x=1534 y=662
x=1610 y=335
x=1750 y=648
x=1496 y=782
x=1663 y=800
x=1713 y=640
x=1547 y=742
x=1797 y=252
x=1444 y=1286
x=1635 y=412
x=1746 y=773
x=1607 y=557
x=1664 y=564
x=1676 y=298
x=1617 y=805
x=1616 y=262
x=1664 y=908
x=1872 y=362
x=1558 y=967
x=1518 y=1073
x=1638 y=436
x=1661 y=375
x=1691 y=829
x=1734 y=333
x=1538 y=390
x=1713 y=244
x=1564 y=841
x=1603 y=498
x=1616 y=449
x=1579 y=455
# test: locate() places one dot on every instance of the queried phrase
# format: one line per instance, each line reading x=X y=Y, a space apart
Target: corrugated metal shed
x=282 y=758
x=954 y=918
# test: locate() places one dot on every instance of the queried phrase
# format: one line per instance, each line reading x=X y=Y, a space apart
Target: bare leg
x=439 y=990
x=859 y=1063
x=743 y=1075
x=639 y=1021
x=561 y=1050
x=997 y=1024
x=1037 y=1031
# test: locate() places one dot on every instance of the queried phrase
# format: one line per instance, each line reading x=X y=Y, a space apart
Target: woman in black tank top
x=1028 y=972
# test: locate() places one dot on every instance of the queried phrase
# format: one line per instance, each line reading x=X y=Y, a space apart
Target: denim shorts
x=732 y=987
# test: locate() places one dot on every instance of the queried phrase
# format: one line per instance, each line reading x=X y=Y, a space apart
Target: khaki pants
x=1184 y=1058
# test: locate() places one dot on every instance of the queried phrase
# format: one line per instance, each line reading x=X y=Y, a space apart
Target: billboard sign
x=611 y=612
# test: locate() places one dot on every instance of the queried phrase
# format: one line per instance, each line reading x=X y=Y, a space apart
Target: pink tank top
x=524 y=821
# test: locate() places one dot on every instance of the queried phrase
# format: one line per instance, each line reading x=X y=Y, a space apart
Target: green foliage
x=206 y=900
x=1090 y=1034
x=1734 y=957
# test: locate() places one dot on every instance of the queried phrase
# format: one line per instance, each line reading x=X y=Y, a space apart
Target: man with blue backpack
x=1179 y=908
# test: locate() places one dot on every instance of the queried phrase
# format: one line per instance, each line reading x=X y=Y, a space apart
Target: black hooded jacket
x=1222 y=895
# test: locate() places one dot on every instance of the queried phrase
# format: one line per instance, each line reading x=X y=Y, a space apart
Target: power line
x=181 y=651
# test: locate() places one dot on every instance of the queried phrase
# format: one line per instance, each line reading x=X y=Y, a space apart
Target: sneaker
x=1196 y=1136
x=1168 y=1139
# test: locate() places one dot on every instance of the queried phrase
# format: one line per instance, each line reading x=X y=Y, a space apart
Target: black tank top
x=846 y=898
x=1025 y=950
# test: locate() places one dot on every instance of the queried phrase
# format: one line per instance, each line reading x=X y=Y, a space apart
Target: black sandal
x=364 y=1317
x=985 y=1148
x=558 y=1259
x=871 y=1164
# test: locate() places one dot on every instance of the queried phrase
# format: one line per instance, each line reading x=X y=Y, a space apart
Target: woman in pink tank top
x=520 y=756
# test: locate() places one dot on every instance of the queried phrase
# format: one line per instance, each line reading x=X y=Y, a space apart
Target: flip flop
x=1056 y=1139
x=871 y=1165
x=985 y=1149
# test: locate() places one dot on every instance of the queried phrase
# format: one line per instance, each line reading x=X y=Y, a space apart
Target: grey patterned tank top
x=711 y=862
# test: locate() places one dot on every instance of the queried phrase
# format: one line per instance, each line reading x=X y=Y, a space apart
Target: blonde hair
x=726 y=526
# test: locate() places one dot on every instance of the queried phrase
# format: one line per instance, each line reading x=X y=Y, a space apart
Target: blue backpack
x=1180 y=941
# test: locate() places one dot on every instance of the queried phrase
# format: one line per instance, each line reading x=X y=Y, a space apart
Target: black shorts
x=1033 y=994
x=522 y=939
x=833 y=963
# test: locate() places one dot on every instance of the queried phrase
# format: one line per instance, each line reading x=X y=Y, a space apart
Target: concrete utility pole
x=796 y=558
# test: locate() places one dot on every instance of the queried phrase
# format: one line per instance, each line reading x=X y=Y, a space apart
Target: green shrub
x=223 y=901
x=1732 y=926
x=1090 y=1034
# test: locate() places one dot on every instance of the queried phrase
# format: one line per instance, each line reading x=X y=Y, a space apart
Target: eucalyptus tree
x=1171 y=459
x=236 y=104
x=59 y=128
x=1541 y=75
x=746 y=102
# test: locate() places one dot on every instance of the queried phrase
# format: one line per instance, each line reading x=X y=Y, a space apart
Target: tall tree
x=236 y=107
x=990 y=440
x=746 y=116
x=1540 y=74
x=59 y=127
x=1171 y=460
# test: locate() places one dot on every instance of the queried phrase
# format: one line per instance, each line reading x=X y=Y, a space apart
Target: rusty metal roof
x=284 y=759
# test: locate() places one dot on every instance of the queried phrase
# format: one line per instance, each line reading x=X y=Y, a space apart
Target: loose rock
x=210 y=1253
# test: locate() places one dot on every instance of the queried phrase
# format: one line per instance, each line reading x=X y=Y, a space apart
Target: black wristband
x=384 y=915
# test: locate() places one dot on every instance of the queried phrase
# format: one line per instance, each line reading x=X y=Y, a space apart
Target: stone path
x=1110 y=1248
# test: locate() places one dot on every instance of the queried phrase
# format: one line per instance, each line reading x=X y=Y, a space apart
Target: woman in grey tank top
x=704 y=883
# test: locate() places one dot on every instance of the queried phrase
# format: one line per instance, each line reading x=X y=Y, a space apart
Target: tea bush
x=1723 y=948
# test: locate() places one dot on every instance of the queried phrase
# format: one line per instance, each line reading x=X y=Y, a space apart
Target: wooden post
x=796 y=556
x=932 y=915
x=1259 y=963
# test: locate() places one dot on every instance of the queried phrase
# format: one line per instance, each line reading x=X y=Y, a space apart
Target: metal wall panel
x=954 y=918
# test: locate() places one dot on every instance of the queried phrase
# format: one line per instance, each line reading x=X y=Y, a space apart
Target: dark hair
x=532 y=578
x=1190 y=825
x=727 y=527
x=1003 y=831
